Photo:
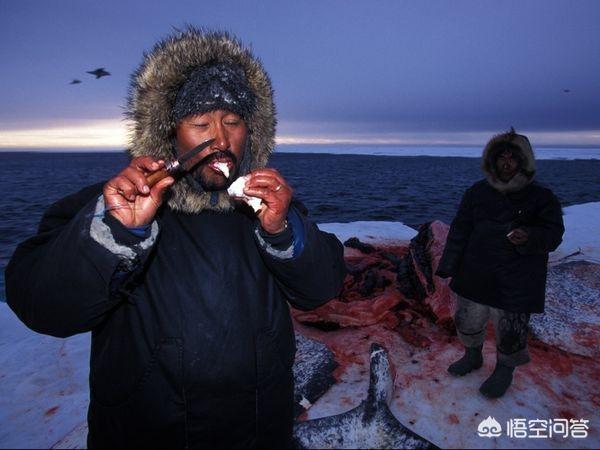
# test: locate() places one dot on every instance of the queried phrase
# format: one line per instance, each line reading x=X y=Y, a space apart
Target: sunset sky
x=380 y=72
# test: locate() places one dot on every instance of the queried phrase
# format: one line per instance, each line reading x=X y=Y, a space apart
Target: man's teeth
x=223 y=168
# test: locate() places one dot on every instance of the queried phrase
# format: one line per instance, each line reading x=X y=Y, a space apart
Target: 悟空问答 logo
x=489 y=428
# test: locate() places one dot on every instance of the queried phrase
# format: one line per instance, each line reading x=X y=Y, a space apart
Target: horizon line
x=108 y=133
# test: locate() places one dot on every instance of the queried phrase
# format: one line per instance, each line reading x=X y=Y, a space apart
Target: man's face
x=230 y=133
x=507 y=165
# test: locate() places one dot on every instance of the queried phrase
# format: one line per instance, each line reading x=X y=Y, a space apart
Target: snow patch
x=582 y=234
x=370 y=232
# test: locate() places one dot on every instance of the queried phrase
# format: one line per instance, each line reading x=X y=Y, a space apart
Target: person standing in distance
x=497 y=255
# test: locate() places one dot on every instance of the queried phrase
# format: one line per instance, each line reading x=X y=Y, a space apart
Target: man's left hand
x=276 y=195
x=518 y=236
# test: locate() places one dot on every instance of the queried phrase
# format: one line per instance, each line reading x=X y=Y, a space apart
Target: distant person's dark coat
x=484 y=265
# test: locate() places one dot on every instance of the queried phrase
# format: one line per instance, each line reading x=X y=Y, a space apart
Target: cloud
x=324 y=133
x=87 y=134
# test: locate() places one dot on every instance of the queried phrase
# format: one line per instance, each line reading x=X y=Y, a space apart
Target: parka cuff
x=107 y=231
x=278 y=245
x=279 y=241
x=285 y=245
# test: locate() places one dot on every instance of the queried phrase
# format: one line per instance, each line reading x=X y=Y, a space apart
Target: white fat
x=237 y=190
x=305 y=403
x=223 y=167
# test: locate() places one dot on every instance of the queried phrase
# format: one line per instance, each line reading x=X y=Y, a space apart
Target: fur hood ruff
x=153 y=91
x=525 y=175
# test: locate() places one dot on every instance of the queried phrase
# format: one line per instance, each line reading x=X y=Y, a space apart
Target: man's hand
x=518 y=236
x=128 y=197
x=276 y=194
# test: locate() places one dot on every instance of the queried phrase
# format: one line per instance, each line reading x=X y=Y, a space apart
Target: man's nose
x=221 y=139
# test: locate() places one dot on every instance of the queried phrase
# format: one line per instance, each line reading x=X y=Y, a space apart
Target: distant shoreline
x=542 y=153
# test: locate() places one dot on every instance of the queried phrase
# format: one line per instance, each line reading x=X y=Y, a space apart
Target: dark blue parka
x=193 y=346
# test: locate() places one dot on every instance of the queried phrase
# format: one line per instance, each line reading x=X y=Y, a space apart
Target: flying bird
x=75 y=81
x=100 y=72
x=566 y=91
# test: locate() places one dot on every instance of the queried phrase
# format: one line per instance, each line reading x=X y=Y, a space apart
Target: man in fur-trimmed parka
x=183 y=289
x=497 y=255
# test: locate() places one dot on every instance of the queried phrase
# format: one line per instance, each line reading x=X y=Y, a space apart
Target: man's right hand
x=518 y=236
x=128 y=197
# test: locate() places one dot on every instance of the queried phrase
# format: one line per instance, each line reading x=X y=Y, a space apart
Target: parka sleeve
x=315 y=273
x=545 y=234
x=457 y=239
x=67 y=278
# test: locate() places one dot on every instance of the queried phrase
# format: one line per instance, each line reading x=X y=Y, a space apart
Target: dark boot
x=498 y=382
x=471 y=361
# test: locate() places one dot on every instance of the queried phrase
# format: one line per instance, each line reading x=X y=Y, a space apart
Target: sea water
x=334 y=187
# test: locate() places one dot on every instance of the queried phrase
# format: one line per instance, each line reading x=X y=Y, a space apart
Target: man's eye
x=200 y=125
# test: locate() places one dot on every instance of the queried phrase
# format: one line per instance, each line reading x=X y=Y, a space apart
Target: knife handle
x=155 y=177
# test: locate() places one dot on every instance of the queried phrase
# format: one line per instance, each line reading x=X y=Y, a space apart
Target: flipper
x=369 y=425
x=313 y=370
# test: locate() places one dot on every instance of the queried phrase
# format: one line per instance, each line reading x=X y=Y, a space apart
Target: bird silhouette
x=100 y=72
x=566 y=91
x=75 y=81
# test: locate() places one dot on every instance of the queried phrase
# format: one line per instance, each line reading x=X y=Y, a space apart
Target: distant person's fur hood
x=522 y=147
x=153 y=92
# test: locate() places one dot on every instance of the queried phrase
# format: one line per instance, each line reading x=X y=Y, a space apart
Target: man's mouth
x=222 y=166
x=220 y=162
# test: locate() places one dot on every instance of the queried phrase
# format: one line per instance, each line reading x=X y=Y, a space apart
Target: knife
x=177 y=167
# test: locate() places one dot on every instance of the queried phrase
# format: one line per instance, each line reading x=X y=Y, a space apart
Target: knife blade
x=177 y=167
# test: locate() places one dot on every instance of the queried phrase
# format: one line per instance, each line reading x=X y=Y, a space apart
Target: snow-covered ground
x=582 y=234
x=464 y=152
x=44 y=386
x=371 y=232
